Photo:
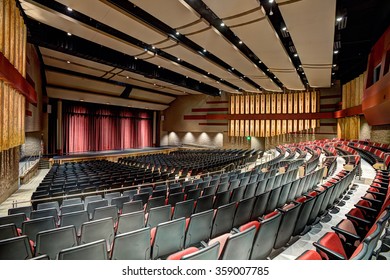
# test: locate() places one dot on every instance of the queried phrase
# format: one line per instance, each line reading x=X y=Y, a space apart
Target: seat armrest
x=331 y=254
x=347 y=234
x=358 y=220
x=368 y=209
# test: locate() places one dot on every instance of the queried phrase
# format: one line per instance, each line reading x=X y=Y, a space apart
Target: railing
x=26 y=165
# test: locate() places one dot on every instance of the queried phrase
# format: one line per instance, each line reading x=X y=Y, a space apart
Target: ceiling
x=142 y=54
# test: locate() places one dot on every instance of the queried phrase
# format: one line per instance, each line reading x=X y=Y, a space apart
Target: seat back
x=72 y=208
x=91 y=198
x=250 y=190
x=289 y=218
x=183 y=209
x=265 y=236
x=51 y=242
x=15 y=248
x=155 y=202
x=76 y=219
x=273 y=199
x=133 y=245
x=131 y=221
x=8 y=231
x=71 y=201
x=210 y=190
x=24 y=209
x=96 y=250
x=260 y=205
x=234 y=184
x=175 y=198
x=239 y=245
x=132 y=206
x=261 y=186
x=119 y=201
x=32 y=227
x=193 y=194
x=283 y=195
x=223 y=219
x=199 y=228
x=244 y=211
x=48 y=212
x=222 y=187
x=237 y=194
x=304 y=213
x=129 y=193
x=158 y=215
x=204 y=203
x=163 y=243
x=47 y=205
x=109 y=196
x=91 y=206
x=96 y=230
x=208 y=253
x=318 y=197
x=221 y=198
x=105 y=212
x=293 y=190
x=270 y=183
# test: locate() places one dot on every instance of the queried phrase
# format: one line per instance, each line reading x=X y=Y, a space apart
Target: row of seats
x=275 y=198
x=357 y=236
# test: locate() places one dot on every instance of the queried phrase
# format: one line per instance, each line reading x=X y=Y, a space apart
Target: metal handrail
x=28 y=163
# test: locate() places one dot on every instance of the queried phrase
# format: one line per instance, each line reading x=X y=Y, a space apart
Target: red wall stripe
x=217 y=102
x=8 y=73
x=219 y=124
x=210 y=110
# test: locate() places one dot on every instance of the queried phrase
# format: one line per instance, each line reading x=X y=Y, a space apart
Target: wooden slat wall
x=272 y=103
x=13 y=40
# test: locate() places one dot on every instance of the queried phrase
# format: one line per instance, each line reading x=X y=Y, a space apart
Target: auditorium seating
x=273 y=204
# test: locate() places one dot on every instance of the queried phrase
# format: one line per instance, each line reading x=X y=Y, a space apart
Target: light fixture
x=240 y=42
x=284 y=28
x=339 y=19
x=135 y=58
x=69 y=34
x=177 y=33
x=333 y=73
x=68 y=61
x=69 y=9
x=232 y=68
x=208 y=73
x=178 y=59
x=334 y=65
x=222 y=24
x=82 y=100
x=270 y=1
x=127 y=77
x=159 y=66
x=271 y=12
x=336 y=52
x=153 y=47
x=204 y=50
x=295 y=55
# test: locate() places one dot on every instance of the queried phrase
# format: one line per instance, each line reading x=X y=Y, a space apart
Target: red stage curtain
x=92 y=127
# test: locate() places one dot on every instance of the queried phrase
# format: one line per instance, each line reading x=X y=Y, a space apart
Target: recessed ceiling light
x=267 y=69
x=284 y=28
x=69 y=34
x=82 y=100
x=177 y=33
x=334 y=65
x=295 y=55
x=159 y=66
x=153 y=47
x=270 y=1
x=108 y=103
x=69 y=9
x=336 y=52
x=178 y=59
x=127 y=77
x=333 y=73
x=222 y=24
x=240 y=42
x=204 y=50
x=186 y=77
x=135 y=58
x=68 y=61
x=232 y=68
x=339 y=19
x=208 y=73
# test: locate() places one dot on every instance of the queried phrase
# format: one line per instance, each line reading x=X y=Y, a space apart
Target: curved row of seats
x=357 y=236
x=215 y=198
